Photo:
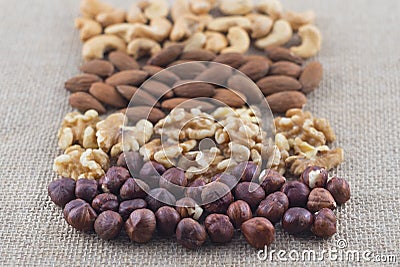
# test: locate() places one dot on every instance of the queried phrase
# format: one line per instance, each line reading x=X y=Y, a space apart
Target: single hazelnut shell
x=219 y=228
x=190 y=233
x=273 y=207
x=141 y=225
x=246 y=171
x=150 y=173
x=128 y=206
x=86 y=189
x=62 y=191
x=167 y=219
x=297 y=193
x=250 y=192
x=259 y=232
x=314 y=176
x=297 y=220
x=239 y=212
x=174 y=180
x=340 y=189
x=188 y=208
x=115 y=177
x=271 y=181
x=131 y=160
x=133 y=188
x=216 y=197
x=194 y=189
x=159 y=197
x=320 y=198
x=324 y=223
x=108 y=225
x=105 y=201
x=80 y=215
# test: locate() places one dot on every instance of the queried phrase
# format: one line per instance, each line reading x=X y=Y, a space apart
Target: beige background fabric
x=360 y=95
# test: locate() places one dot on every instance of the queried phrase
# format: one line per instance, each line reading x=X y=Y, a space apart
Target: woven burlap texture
x=360 y=95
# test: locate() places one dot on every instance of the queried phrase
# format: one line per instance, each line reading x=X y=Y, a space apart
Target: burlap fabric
x=360 y=96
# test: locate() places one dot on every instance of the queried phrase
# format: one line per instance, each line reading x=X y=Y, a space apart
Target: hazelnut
x=246 y=171
x=219 y=228
x=141 y=225
x=114 y=179
x=130 y=160
x=108 y=225
x=86 y=189
x=239 y=212
x=194 y=189
x=250 y=192
x=167 y=219
x=100 y=183
x=297 y=220
x=190 y=234
x=133 y=188
x=174 y=180
x=150 y=173
x=62 y=191
x=159 y=197
x=230 y=180
x=271 y=181
x=297 y=193
x=187 y=207
x=126 y=207
x=273 y=207
x=314 y=176
x=80 y=215
x=324 y=223
x=105 y=201
x=259 y=232
x=216 y=197
x=340 y=189
x=320 y=198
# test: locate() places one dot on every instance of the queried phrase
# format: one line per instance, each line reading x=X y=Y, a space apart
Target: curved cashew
x=112 y=17
x=180 y=8
x=261 y=25
x=196 y=41
x=158 y=30
x=200 y=6
x=238 y=39
x=135 y=15
x=96 y=46
x=142 y=47
x=236 y=7
x=273 y=8
x=88 y=28
x=281 y=33
x=222 y=24
x=185 y=27
x=156 y=9
x=90 y=8
x=311 y=41
x=297 y=20
x=215 y=41
x=122 y=30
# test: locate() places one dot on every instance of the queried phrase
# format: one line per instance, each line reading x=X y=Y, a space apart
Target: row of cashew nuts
x=145 y=26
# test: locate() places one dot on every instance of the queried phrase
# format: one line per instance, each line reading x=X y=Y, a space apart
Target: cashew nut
x=90 y=8
x=156 y=9
x=238 y=39
x=273 y=8
x=180 y=8
x=200 y=6
x=236 y=7
x=196 y=41
x=122 y=30
x=223 y=24
x=98 y=45
x=311 y=41
x=261 y=25
x=215 y=41
x=113 y=17
x=281 y=33
x=158 y=29
x=185 y=27
x=297 y=20
x=142 y=47
x=135 y=14
x=88 y=28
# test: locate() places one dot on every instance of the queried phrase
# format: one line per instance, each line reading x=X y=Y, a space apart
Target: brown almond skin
x=189 y=71
x=122 y=61
x=217 y=74
x=257 y=57
x=279 y=83
x=141 y=96
x=259 y=232
x=127 y=77
x=84 y=101
x=235 y=60
x=98 y=67
x=157 y=89
x=311 y=76
x=197 y=89
x=285 y=68
x=127 y=91
x=255 y=69
x=283 y=101
x=166 y=56
x=242 y=84
x=143 y=112
x=166 y=76
x=229 y=97
x=186 y=103
x=280 y=53
x=198 y=55
x=81 y=83
x=108 y=95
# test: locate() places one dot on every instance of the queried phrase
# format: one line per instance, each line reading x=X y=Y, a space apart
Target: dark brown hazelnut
x=216 y=197
x=61 y=191
x=108 y=225
x=159 y=197
x=151 y=172
x=324 y=223
x=80 y=215
x=271 y=181
x=105 y=201
x=190 y=234
x=340 y=189
x=174 y=180
x=273 y=207
x=133 y=188
x=230 y=180
x=239 y=212
x=297 y=220
x=194 y=189
x=259 y=232
x=297 y=193
x=131 y=160
x=219 y=228
x=320 y=198
x=126 y=207
x=167 y=219
x=115 y=177
x=314 y=176
x=141 y=225
x=86 y=189
x=250 y=192
x=246 y=171
x=188 y=208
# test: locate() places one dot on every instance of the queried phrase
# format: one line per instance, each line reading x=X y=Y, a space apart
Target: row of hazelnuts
x=119 y=201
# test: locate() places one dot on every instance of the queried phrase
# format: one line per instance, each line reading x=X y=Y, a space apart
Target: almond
x=107 y=94
x=190 y=70
x=81 y=83
x=142 y=98
x=186 y=103
x=242 y=84
x=274 y=84
x=235 y=60
x=127 y=77
x=83 y=101
x=166 y=56
x=229 y=97
x=311 y=76
x=285 y=68
x=255 y=69
x=123 y=61
x=280 y=53
x=157 y=89
x=126 y=91
x=165 y=76
x=248 y=58
x=177 y=62
x=198 y=55
x=283 y=101
x=190 y=89
x=98 y=67
x=217 y=74
x=137 y=113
